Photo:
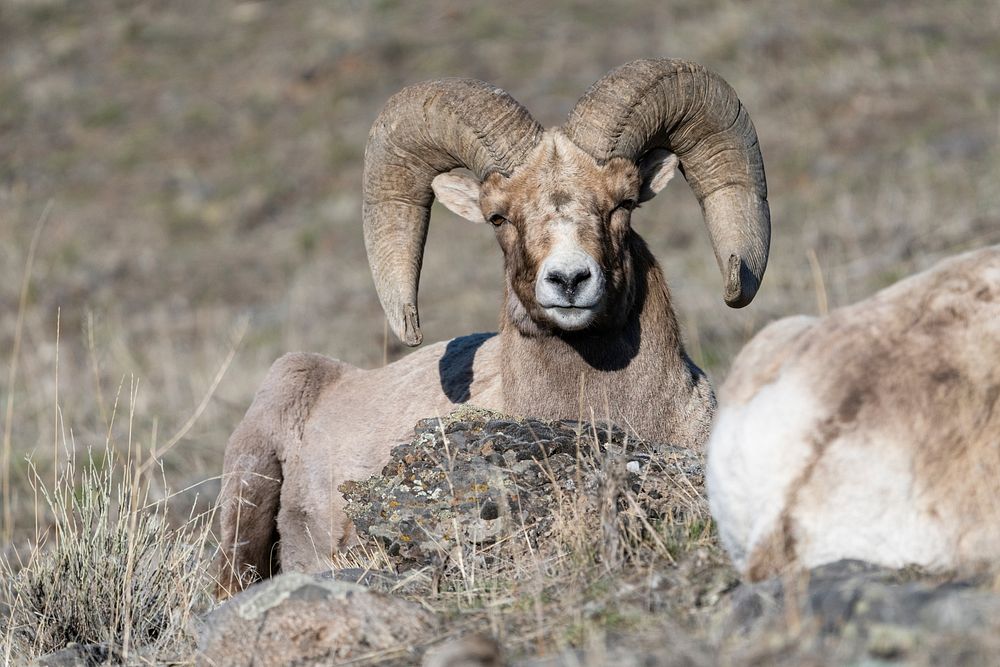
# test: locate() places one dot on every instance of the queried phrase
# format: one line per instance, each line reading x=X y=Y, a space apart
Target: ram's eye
x=626 y=204
x=496 y=219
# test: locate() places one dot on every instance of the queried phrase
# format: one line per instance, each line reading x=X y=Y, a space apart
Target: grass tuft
x=110 y=574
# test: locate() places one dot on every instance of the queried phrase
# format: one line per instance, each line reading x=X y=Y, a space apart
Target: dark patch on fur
x=830 y=428
x=945 y=374
x=604 y=355
x=984 y=294
x=849 y=408
x=455 y=366
x=991 y=400
x=560 y=198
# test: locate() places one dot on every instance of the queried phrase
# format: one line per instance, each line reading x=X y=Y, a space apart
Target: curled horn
x=422 y=131
x=693 y=112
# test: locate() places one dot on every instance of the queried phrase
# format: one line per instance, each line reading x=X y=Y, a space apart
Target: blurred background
x=197 y=170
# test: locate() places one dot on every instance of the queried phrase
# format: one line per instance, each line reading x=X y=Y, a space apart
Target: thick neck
x=638 y=375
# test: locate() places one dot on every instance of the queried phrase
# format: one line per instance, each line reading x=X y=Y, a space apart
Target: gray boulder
x=296 y=619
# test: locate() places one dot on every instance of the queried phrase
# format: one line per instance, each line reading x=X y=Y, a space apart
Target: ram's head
x=561 y=199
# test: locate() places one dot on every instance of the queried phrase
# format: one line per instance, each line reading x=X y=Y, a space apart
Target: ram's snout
x=570 y=286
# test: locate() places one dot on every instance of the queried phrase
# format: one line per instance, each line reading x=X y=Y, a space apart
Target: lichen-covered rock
x=852 y=611
x=855 y=592
x=476 y=479
x=295 y=619
x=383 y=581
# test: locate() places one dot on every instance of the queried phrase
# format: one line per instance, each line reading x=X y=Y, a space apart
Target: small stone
x=471 y=651
x=489 y=511
x=78 y=655
x=890 y=642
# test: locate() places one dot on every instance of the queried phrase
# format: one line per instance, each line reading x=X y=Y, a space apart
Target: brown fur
x=639 y=377
x=772 y=555
x=925 y=361
x=527 y=202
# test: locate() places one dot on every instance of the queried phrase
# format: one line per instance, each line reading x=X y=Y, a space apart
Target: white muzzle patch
x=570 y=283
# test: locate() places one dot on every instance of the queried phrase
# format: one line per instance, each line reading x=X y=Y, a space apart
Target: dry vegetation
x=111 y=573
x=568 y=535
x=192 y=171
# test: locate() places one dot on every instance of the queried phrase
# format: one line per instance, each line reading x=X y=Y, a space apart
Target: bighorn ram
x=587 y=319
x=872 y=433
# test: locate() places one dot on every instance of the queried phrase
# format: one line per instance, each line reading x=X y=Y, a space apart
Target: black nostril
x=568 y=281
x=556 y=278
x=581 y=276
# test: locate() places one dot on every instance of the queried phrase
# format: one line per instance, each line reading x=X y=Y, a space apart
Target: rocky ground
x=197 y=166
x=491 y=540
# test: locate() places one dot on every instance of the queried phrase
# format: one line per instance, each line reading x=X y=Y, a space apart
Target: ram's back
x=871 y=433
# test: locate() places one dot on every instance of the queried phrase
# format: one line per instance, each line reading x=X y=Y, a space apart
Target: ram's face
x=563 y=222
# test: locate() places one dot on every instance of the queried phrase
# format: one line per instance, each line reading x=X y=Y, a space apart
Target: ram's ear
x=459 y=193
x=656 y=168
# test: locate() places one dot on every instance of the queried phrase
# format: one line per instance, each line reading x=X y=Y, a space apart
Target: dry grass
x=111 y=572
x=606 y=572
x=594 y=555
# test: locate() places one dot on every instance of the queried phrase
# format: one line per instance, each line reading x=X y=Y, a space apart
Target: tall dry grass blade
x=133 y=519
x=7 y=448
x=55 y=414
x=241 y=330
x=92 y=353
x=822 y=302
